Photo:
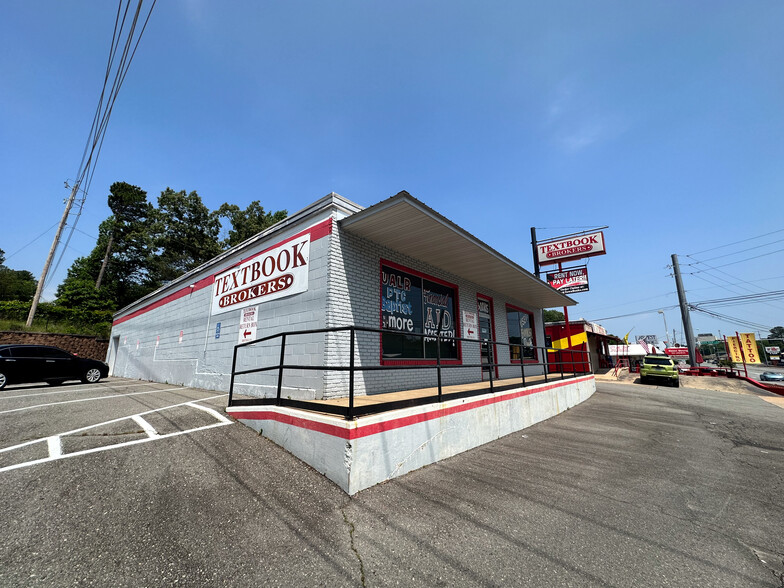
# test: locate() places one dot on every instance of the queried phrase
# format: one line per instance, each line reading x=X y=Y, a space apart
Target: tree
x=776 y=333
x=16 y=284
x=185 y=235
x=247 y=223
x=117 y=266
x=553 y=316
x=129 y=231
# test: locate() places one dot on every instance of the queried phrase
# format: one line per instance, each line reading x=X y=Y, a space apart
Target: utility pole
x=39 y=290
x=684 y=311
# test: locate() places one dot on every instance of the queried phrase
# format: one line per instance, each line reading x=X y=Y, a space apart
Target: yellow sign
x=734 y=345
x=749 y=345
x=577 y=339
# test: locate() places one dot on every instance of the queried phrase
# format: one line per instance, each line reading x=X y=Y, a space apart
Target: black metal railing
x=490 y=367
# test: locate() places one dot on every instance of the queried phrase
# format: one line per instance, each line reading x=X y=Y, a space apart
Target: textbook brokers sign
x=569 y=248
x=276 y=273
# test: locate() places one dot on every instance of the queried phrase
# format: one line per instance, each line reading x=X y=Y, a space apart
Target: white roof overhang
x=406 y=225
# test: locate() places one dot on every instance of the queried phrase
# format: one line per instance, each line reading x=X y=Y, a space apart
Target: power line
x=739 y=261
x=735 y=242
x=733 y=253
x=97 y=133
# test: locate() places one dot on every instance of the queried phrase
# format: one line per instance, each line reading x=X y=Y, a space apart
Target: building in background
x=585 y=337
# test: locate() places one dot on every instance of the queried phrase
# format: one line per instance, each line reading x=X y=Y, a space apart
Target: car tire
x=643 y=380
x=3 y=381
x=92 y=376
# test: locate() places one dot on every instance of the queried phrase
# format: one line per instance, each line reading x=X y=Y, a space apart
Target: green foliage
x=553 y=316
x=53 y=318
x=145 y=247
x=81 y=294
x=16 y=284
x=247 y=223
x=185 y=234
x=776 y=333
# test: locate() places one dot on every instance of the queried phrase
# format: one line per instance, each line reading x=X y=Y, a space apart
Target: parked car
x=772 y=377
x=41 y=363
x=659 y=368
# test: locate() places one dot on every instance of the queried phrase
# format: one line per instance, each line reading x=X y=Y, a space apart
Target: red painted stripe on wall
x=392 y=424
x=317 y=231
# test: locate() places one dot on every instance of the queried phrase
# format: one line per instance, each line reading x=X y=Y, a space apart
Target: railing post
x=350 y=413
x=233 y=369
x=522 y=364
x=561 y=355
x=438 y=353
x=280 y=365
x=492 y=362
x=546 y=363
x=438 y=362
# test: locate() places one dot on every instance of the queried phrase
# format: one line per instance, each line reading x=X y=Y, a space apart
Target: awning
x=406 y=225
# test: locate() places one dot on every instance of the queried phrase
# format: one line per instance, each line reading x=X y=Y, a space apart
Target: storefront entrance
x=484 y=308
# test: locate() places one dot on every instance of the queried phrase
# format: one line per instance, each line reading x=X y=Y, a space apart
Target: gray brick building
x=397 y=264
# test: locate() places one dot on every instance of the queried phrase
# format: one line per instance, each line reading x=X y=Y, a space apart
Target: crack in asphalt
x=351 y=528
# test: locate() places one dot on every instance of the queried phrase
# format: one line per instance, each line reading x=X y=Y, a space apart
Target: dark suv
x=21 y=364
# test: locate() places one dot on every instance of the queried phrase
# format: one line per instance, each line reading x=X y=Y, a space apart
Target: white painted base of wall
x=369 y=450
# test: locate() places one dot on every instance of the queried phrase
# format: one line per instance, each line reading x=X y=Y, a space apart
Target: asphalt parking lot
x=129 y=483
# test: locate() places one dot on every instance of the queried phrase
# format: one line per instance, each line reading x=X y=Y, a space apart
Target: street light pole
x=664 y=316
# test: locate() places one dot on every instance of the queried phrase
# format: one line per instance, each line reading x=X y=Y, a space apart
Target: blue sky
x=663 y=120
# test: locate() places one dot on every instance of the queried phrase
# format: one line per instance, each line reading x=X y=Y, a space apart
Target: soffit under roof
x=408 y=226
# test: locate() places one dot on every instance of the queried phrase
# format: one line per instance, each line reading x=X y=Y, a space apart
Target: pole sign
x=248 y=323
x=569 y=280
x=570 y=248
x=772 y=350
x=275 y=273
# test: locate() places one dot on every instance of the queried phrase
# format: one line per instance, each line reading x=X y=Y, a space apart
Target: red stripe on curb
x=350 y=432
x=316 y=232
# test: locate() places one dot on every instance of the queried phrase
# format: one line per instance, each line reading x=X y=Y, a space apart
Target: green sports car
x=659 y=368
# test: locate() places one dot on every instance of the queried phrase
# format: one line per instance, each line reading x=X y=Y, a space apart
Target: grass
x=64 y=328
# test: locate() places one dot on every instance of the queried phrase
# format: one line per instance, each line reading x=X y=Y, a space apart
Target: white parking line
x=94 y=398
x=54 y=442
x=55 y=446
x=148 y=428
x=214 y=413
x=66 y=390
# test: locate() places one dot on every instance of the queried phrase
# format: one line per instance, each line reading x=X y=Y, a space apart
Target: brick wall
x=355 y=298
x=81 y=345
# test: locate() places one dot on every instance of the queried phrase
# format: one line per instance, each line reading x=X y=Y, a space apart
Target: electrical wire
x=735 y=243
x=104 y=110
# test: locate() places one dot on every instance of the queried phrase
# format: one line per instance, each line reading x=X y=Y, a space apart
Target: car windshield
x=658 y=361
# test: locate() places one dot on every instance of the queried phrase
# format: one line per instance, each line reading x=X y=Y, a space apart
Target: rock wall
x=81 y=345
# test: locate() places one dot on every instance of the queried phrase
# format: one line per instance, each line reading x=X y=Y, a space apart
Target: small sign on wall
x=248 y=322
x=470 y=325
x=217 y=331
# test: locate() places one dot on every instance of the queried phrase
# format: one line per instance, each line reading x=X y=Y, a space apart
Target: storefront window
x=411 y=303
x=520 y=325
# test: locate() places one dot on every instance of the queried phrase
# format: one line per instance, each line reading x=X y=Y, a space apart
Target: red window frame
x=412 y=361
x=533 y=331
